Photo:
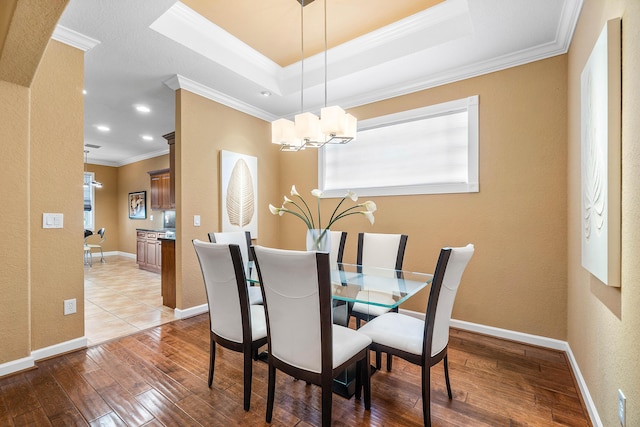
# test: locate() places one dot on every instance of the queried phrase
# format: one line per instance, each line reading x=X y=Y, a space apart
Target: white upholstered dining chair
x=234 y=323
x=382 y=251
x=242 y=239
x=424 y=342
x=301 y=339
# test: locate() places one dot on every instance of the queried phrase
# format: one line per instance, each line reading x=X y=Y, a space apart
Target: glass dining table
x=376 y=287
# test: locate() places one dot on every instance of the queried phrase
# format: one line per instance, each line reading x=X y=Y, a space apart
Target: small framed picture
x=138 y=205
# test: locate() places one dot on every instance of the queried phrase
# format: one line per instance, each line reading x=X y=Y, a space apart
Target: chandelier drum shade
x=334 y=126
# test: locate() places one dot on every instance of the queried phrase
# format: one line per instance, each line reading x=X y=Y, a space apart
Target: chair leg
x=378 y=360
x=446 y=377
x=212 y=361
x=271 y=390
x=389 y=361
x=248 y=368
x=101 y=255
x=426 y=393
x=359 y=377
x=366 y=380
x=327 y=401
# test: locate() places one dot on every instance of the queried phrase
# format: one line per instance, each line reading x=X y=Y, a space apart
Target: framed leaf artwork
x=239 y=192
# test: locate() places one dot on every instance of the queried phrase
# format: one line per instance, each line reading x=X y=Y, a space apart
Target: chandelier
x=334 y=126
x=86 y=183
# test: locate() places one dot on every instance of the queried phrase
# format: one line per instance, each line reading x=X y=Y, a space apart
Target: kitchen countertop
x=157 y=230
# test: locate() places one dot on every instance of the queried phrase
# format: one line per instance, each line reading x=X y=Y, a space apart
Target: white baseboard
x=191 y=311
x=42 y=353
x=56 y=349
x=16 y=366
x=533 y=340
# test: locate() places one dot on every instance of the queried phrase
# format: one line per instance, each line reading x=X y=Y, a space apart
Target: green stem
x=336 y=210
x=299 y=216
x=343 y=214
x=310 y=217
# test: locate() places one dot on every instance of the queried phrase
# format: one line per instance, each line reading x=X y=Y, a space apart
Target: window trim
x=88 y=178
x=469 y=104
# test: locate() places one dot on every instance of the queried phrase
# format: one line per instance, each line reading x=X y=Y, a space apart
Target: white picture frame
x=239 y=192
x=600 y=210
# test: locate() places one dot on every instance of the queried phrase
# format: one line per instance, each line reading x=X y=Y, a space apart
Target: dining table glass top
x=369 y=285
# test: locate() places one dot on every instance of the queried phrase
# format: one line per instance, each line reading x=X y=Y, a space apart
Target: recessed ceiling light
x=103 y=128
x=84 y=91
x=265 y=93
x=143 y=108
x=147 y=137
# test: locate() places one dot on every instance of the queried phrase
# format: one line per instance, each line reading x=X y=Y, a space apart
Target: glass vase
x=319 y=240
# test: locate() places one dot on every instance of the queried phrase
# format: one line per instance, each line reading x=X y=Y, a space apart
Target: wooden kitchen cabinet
x=161 y=189
x=149 y=250
x=163 y=185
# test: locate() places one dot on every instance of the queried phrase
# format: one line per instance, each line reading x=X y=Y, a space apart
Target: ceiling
x=140 y=52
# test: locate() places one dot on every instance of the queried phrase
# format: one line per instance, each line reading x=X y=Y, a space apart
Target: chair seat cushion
x=374 y=297
x=346 y=343
x=255 y=295
x=396 y=330
x=258 y=322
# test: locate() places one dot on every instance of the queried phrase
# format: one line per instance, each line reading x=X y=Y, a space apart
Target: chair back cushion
x=381 y=250
x=221 y=285
x=338 y=239
x=289 y=281
x=235 y=237
x=458 y=260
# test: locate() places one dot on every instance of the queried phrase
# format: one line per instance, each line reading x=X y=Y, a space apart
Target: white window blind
x=89 y=201
x=424 y=151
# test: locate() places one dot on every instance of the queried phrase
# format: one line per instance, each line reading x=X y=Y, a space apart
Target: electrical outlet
x=622 y=408
x=69 y=306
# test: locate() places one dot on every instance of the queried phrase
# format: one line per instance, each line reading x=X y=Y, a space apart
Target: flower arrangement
x=303 y=211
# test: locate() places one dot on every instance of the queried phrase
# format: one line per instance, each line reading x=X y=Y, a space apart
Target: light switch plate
x=52 y=220
x=196 y=220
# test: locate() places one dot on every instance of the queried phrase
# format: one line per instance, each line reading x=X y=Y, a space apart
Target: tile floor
x=120 y=299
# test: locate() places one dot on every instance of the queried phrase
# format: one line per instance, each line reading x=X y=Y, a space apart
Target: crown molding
x=142 y=157
x=73 y=38
x=180 y=82
x=190 y=29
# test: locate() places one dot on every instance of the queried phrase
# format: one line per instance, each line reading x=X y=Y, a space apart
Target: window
x=89 y=201
x=428 y=150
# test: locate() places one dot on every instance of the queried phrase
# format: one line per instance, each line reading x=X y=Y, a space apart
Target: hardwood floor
x=158 y=377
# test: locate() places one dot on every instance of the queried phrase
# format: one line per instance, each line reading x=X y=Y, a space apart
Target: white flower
x=369 y=206
x=369 y=216
x=301 y=209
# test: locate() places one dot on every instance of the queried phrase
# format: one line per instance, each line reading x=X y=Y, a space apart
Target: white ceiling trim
x=73 y=38
x=180 y=82
x=135 y=159
x=190 y=29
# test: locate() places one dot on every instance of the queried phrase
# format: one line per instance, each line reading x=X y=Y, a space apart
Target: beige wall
x=203 y=128
x=517 y=278
x=604 y=322
x=55 y=172
x=14 y=244
x=106 y=206
x=131 y=178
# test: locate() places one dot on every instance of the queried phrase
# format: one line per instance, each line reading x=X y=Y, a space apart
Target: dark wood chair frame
x=426 y=360
x=325 y=378
x=247 y=347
